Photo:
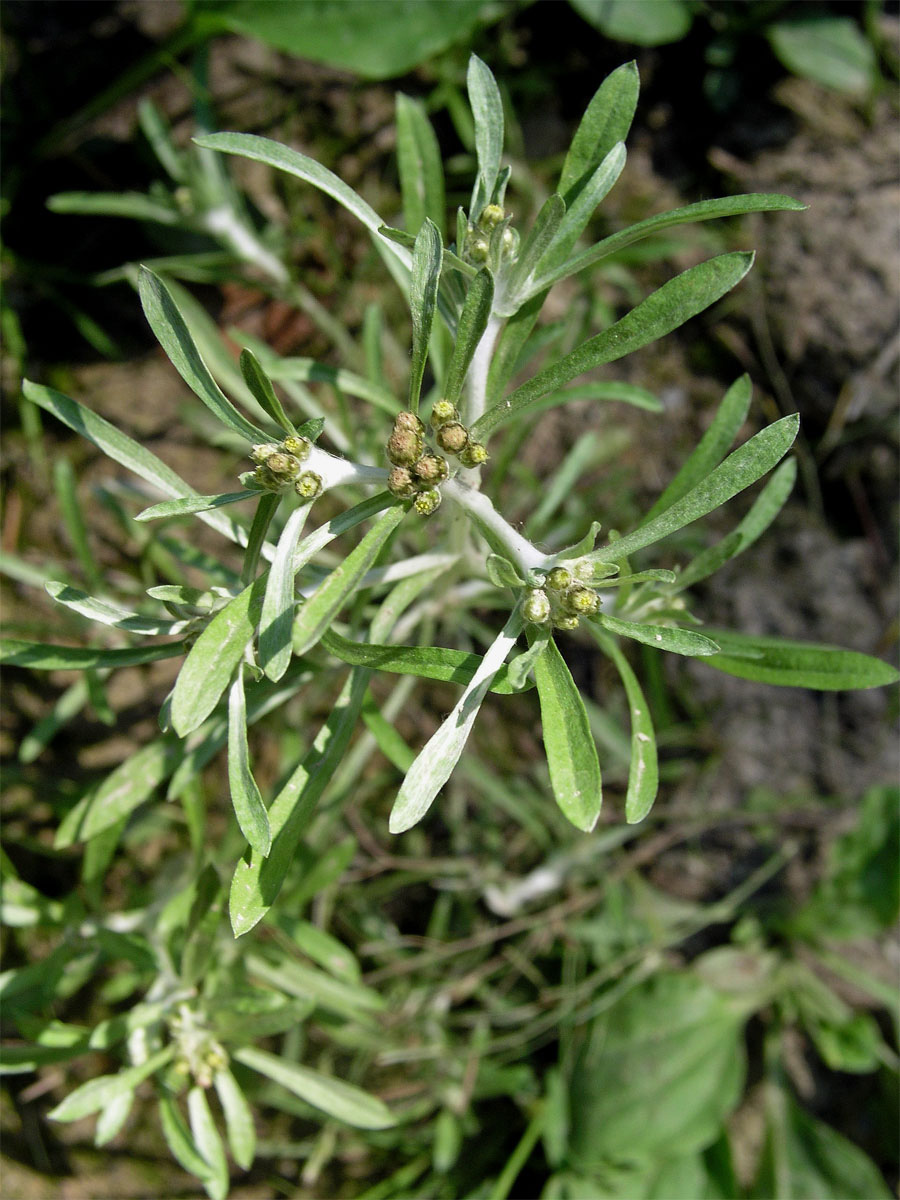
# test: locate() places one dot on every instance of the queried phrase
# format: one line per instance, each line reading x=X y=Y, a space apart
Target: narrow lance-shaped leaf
x=97 y=1093
x=209 y=1143
x=259 y=384
x=192 y=504
x=419 y=165
x=124 y=450
x=104 y=612
x=272 y=153
x=238 y=1118
x=435 y=763
x=664 y=310
x=643 y=769
x=571 y=752
x=179 y=1140
x=173 y=335
x=276 y=620
x=712 y=447
x=473 y=321
x=426 y=276
x=798 y=664
x=660 y=637
x=425 y=662
x=41 y=657
x=739 y=470
x=340 y=1100
x=211 y=662
x=532 y=250
x=326 y=602
x=606 y=121
x=487 y=111
x=581 y=209
x=766 y=508
x=704 y=210
x=245 y=796
x=257 y=880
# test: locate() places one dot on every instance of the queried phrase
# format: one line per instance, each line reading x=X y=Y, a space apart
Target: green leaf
x=257 y=880
x=97 y=1093
x=703 y=210
x=126 y=788
x=420 y=166
x=829 y=50
x=711 y=448
x=660 y=637
x=173 y=335
x=340 y=1100
x=425 y=662
x=606 y=121
x=582 y=207
x=179 y=1140
x=192 y=504
x=608 y=389
x=112 y=1118
x=259 y=384
x=40 y=657
x=104 y=612
x=643 y=769
x=307 y=370
x=661 y=1070
x=209 y=666
x=135 y=206
x=571 y=753
x=473 y=321
x=651 y=23
x=487 y=112
x=742 y=468
x=238 y=1118
x=209 y=1143
x=245 y=796
x=124 y=450
x=426 y=276
x=798 y=664
x=277 y=617
x=502 y=573
x=435 y=763
x=533 y=248
x=804 y=1157
x=273 y=154
x=351 y=1000
x=522 y=665
x=377 y=41
x=765 y=509
x=664 y=310
x=325 y=603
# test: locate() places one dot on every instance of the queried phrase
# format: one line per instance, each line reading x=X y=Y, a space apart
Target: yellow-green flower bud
x=402 y=483
x=298 y=446
x=477 y=249
x=536 y=607
x=473 y=455
x=308 y=486
x=266 y=479
x=431 y=469
x=286 y=466
x=427 y=502
x=443 y=411
x=408 y=420
x=510 y=243
x=404 y=446
x=582 y=601
x=491 y=216
x=263 y=451
x=567 y=624
x=452 y=437
x=583 y=570
x=558 y=580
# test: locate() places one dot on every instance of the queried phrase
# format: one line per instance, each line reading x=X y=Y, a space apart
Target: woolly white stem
x=496 y=528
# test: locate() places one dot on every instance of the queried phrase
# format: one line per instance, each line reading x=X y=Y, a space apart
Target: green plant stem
x=265 y=511
x=518 y=1158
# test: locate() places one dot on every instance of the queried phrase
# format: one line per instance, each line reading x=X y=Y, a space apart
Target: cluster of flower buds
x=563 y=597
x=199 y=1055
x=280 y=466
x=479 y=237
x=416 y=471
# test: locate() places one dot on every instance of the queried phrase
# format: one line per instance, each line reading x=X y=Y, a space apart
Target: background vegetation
x=735 y=958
